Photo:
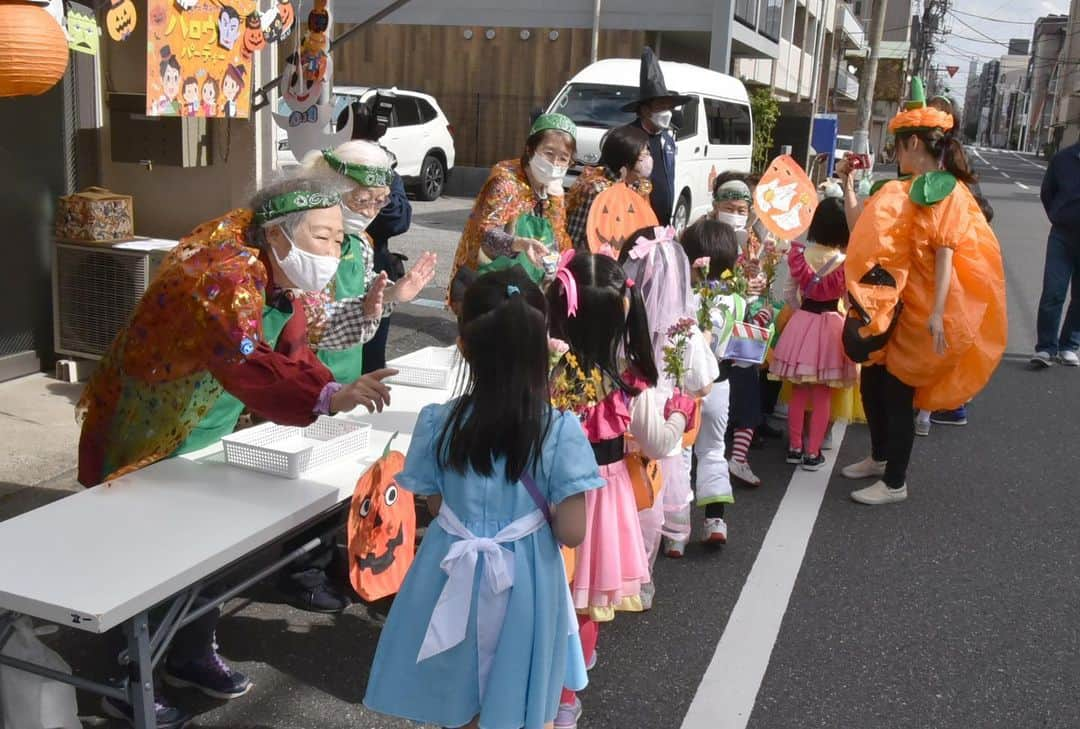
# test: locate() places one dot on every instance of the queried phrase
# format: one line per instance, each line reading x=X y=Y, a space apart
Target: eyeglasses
x=370 y=203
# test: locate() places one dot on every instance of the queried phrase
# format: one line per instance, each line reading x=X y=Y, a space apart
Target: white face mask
x=644 y=168
x=738 y=222
x=544 y=171
x=306 y=271
x=661 y=119
x=354 y=222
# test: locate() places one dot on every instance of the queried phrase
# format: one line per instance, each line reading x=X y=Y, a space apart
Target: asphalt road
x=958 y=608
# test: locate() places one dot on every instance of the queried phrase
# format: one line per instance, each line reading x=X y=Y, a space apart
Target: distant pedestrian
x=1061 y=198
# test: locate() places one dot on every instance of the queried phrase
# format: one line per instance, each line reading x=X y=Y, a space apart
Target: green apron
x=527 y=226
x=350 y=282
x=221 y=419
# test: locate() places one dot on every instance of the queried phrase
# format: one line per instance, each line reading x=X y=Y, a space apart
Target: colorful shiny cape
x=204 y=307
x=901 y=237
x=505 y=196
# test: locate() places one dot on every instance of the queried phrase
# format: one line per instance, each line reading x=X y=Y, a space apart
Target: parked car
x=714 y=132
x=419 y=135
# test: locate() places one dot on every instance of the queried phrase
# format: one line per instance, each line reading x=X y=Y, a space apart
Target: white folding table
x=106 y=556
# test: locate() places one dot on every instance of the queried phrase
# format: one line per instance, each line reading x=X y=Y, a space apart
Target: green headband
x=364 y=175
x=558 y=122
x=733 y=190
x=294 y=202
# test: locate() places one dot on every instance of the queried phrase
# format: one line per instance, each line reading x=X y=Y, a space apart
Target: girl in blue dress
x=483 y=634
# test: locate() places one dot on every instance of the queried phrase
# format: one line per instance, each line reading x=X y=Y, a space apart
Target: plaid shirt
x=348 y=326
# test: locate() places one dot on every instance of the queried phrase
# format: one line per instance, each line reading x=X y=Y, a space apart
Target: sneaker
x=743 y=472
x=813 y=463
x=866 y=468
x=715 y=531
x=568 y=715
x=674 y=548
x=1042 y=360
x=648 y=592
x=827 y=443
x=1069 y=359
x=211 y=675
x=165 y=716
x=794 y=456
x=922 y=428
x=780 y=411
x=312 y=591
x=879 y=494
x=949 y=417
x=592 y=664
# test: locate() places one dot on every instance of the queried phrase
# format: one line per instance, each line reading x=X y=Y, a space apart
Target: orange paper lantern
x=33 y=49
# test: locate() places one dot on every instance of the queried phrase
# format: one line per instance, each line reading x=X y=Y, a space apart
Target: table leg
x=141 y=684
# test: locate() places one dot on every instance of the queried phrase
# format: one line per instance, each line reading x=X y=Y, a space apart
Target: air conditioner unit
x=95 y=290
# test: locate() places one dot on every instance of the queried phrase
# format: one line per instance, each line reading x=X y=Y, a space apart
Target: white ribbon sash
x=449 y=621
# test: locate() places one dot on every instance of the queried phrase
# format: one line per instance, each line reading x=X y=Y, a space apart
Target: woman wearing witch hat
x=654 y=107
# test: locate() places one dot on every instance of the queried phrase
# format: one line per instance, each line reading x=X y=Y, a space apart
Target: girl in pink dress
x=608 y=377
x=810 y=353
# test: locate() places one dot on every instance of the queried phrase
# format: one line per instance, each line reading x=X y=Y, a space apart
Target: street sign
x=952 y=70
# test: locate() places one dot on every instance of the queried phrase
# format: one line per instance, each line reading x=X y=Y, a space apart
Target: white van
x=713 y=132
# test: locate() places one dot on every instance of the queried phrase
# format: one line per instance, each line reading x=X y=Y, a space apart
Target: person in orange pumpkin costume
x=927 y=292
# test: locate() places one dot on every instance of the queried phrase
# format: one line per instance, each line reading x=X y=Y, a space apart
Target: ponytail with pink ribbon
x=564 y=275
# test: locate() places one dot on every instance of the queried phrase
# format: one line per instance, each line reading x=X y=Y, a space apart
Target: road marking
x=728 y=690
x=981 y=158
x=1025 y=160
x=1005 y=175
x=429 y=303
x=1023 y=186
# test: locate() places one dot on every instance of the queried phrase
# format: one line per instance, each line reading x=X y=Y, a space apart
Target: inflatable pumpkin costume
x=890 y=272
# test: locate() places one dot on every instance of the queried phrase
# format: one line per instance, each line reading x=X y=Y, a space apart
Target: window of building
x=771 y=18
x=858 y=9
x=728 y=123
x=746 y=12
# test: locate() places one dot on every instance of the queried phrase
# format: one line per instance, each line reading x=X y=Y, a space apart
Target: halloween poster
x=199 y=54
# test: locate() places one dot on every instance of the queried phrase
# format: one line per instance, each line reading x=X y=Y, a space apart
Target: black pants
x=889 y=406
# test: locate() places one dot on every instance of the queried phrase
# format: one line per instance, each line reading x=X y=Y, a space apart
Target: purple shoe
x=210 y=675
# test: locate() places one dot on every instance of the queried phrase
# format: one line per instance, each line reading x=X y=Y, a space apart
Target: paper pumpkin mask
x=382 y=530
x=785 y=199
x=616 y=213
x=121 y=19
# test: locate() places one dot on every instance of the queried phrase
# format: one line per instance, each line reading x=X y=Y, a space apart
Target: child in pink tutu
x=608 y=377
x=810 y=353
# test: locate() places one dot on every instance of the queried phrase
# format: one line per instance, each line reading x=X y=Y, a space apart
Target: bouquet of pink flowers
x=675 y=351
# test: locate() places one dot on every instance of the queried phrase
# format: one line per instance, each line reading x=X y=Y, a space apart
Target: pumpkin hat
x=917 y=116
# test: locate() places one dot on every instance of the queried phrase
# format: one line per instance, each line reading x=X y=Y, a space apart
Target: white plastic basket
x=433 y=367
x=288 y=451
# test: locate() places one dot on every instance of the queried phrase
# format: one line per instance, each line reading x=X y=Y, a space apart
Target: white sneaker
x=1069 y=359
x=780 y=412
x=827 y=444
x=922 y=428
x=674 y=548
x=866 y=468
x=648 y=592
x=715 y=531
x=1042 y=360
x=744 y=473
x=568 y=715
x=879 y=494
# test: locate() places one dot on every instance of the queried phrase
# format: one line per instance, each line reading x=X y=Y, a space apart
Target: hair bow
x=644 y=246
x=569 y=283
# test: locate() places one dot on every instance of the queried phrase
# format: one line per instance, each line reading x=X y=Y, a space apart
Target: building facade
x=1047 y=44
x=1065 y=80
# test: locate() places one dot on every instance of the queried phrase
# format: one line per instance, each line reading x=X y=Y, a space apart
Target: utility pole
x=595 y=31
x=861 y=138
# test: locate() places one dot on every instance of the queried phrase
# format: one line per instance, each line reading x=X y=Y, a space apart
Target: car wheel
x=432 y=179
x=681 y=218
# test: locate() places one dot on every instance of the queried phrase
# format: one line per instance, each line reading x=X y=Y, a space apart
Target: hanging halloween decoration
x=305 y=88
x=382 y=530
x=55 y=8
x=228 y=27
x=187 y=4
x=84 y=33
x=33 y=49
x=287 y=16
x=616 y=213
x=121 y=19
x=253 y=35
x=785 y=199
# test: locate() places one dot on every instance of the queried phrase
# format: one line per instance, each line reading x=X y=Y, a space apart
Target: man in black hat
x=654 y=107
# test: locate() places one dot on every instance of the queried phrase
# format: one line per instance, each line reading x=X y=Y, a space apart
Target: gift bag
x=29 y=701
x=748 y=343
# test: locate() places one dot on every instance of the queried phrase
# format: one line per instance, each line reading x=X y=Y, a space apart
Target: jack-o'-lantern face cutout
x=616 y=213
x=286 y=14
x=121 y=19
x=253 y=35
x=382 y=530
x=785 y=199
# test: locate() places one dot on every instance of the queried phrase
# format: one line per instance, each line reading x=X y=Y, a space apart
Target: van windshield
x=843 y=143
x=596 y=105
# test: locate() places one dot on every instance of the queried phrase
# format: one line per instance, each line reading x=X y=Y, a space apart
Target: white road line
x=728 y=690
x=429 y=303
x=1005 y=175
x=1023 y=186
x=981 y=158
x=1025 y=160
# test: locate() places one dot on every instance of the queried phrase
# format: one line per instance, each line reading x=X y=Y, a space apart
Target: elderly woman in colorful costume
x=520 y=213
x=224 y=327
x=927 y=291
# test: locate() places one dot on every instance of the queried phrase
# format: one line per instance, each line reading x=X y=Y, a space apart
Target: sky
x=968 y=37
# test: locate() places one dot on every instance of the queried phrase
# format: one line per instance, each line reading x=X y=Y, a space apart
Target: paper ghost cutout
x=187 y=4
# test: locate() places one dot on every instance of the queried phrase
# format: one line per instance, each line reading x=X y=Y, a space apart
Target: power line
x=995 y=20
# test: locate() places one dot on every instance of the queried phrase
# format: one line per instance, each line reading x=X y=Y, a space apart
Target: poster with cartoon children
x=199 y=56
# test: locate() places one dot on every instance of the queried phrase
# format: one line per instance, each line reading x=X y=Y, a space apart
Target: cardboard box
x=95 y=215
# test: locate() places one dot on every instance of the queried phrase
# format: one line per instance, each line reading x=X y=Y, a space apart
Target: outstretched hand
x=368 y=391
x=413 y=282
x=373 y=299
